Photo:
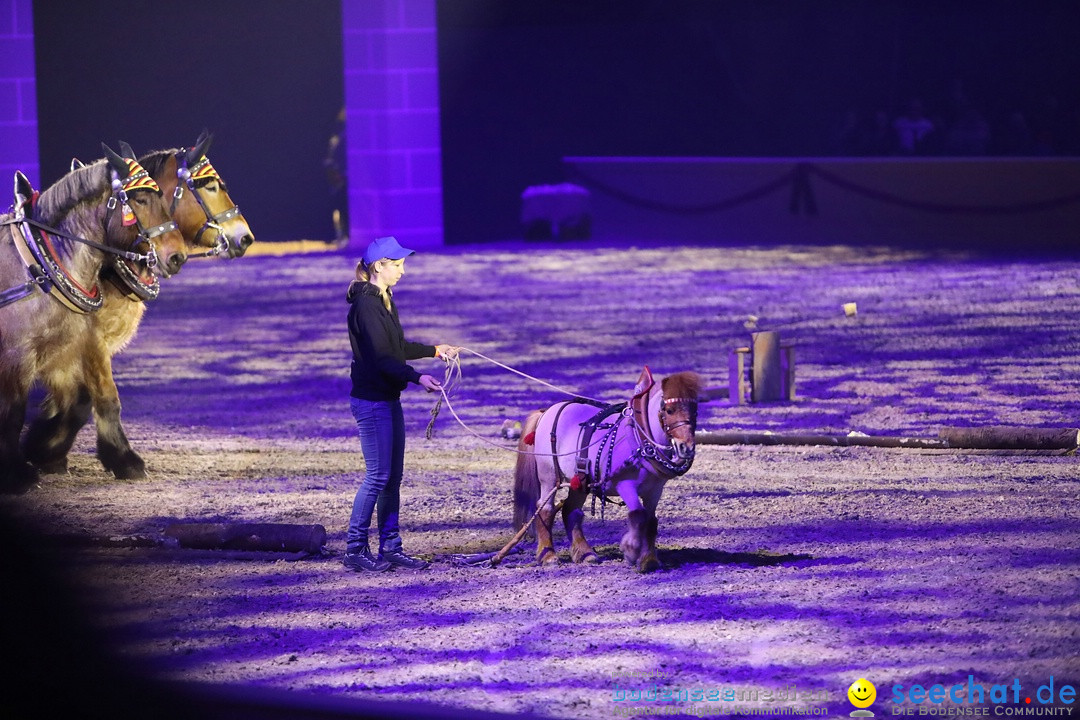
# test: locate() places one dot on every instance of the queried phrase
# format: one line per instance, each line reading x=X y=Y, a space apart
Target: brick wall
x=392 y=121
x=18 y=104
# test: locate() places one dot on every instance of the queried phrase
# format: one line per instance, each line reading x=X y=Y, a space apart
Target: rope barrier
x=801 y=175
x=718 y=206
x=889 y=198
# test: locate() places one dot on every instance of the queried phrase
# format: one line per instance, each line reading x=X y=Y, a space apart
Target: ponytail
x=363 y=275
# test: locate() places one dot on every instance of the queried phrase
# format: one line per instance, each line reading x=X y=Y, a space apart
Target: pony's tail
x=526 y=478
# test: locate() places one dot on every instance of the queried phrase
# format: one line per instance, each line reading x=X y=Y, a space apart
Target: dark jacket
x=379 y=346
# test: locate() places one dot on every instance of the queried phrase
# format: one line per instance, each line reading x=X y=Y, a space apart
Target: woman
x=379 y=374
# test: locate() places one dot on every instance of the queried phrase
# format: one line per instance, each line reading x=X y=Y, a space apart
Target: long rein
x=40 y=276
x=149 y=258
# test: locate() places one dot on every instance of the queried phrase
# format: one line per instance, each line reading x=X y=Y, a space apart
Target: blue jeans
x=382 y=439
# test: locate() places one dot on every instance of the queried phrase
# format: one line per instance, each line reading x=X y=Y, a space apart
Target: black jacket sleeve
x=376 y=333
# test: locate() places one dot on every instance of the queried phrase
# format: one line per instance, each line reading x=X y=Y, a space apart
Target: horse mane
x=685 y=384
x=153 y=162
x=87 y=183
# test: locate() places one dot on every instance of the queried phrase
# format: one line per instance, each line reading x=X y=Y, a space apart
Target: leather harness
x=588 y=473
x=34 y=243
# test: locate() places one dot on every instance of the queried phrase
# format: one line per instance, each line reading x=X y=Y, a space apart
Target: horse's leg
x=573 y=517
x=632 y=544
x=53 y=432
x=16 y=474
x=545 y=547
x=649 y=560
x=113 y=449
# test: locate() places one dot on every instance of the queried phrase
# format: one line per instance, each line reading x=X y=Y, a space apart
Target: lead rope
x=453 y=375
x=450 y=380
x=534 y=379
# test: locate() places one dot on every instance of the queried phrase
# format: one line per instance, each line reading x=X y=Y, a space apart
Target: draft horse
x=208 y=219
x=629 y=450
x=51 y=255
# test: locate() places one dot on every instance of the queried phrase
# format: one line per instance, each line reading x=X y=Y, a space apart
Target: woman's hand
x=447 y=352
x=430 y=384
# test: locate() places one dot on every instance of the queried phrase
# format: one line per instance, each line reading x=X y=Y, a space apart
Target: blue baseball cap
x=385 y=247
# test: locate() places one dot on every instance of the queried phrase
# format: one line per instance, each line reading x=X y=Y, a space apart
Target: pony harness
x=591 y=475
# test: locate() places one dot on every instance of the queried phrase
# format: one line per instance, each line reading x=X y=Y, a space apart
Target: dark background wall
x=523 y=84
x=264 y=76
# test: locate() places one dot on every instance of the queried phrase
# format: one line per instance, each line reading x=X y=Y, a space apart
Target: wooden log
x=1001 y=437
x=985 y=438
x=248 y=536
x=743 y=438
x=766 y=372
x=787 y=365
x=738 y=383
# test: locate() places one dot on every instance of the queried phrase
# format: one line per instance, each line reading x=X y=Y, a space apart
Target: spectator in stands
x=879 y=137
x=969 y=133
x=847 y=136
x=1014 y=137
x=913 y=129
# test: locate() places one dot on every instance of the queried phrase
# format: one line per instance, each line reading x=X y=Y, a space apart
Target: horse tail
x=526 y=477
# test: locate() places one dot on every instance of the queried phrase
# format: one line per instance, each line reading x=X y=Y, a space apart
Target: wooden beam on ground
x=1011 y=438
x=978 y=438
x=248 y=536
x=746 y=438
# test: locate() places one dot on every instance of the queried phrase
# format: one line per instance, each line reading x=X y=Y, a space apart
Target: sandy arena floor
x=809 y=566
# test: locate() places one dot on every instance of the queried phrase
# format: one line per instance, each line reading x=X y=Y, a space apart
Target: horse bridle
x=129 y=280
x=664 y=456
x=189 y=178
x=692 y=406
x=137 y=179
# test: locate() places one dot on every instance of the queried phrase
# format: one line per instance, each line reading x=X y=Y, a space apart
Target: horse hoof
x=19 y=479
x=56 y=466
x=134 y=472
x=547 y=557
x=128 y=467
x=648 y=564
x=589 y=558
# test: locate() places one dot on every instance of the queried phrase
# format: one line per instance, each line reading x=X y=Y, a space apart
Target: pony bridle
x=137 y=179
x=189 y=178
x=675 y=458
x=681 y=452
x=691 y=405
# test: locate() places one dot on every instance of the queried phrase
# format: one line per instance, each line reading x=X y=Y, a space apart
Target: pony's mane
x=682 y=385
x=153 y=162
x=89 y=182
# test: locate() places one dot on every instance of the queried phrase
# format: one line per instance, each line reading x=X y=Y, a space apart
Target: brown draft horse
x=629 y=450
x=208 y=218
x=109 y=207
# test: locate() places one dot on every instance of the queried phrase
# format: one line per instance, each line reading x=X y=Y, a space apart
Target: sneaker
x=396 y=557
x=363 y=560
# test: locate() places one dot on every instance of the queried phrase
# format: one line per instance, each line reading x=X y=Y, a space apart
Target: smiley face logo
x=862 y=693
